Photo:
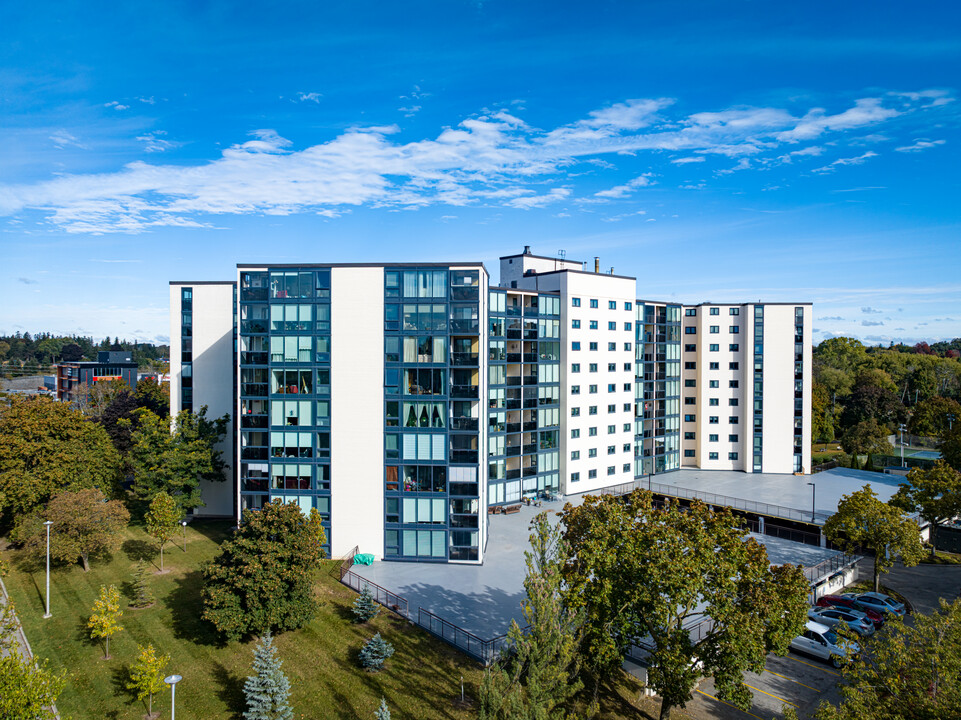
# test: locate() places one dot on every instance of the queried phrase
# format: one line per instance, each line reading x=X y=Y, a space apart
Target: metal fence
x=751 y=506
x=485 y=651
x=391 y=601
x=829 y=566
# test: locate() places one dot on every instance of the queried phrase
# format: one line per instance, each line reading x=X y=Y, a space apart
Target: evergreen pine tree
x=869 y=465
x=267 y=692
x=855 y=462
x=365 y=607
x=383 y=712
x=374 y=653
x=142 y=596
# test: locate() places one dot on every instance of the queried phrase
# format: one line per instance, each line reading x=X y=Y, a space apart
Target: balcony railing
x=463 y=456
x=253 y=358
x=528 y=426
x=513 y=427
x=471 y=327
x=530 y=449
x=464 y=391
x=253 y=389
x=513 y=474
x=513 y=450
x=464 y=424
x=254 y=421
x=463 y=359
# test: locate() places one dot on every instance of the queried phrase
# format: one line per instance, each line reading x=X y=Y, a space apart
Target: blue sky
x=721 y=151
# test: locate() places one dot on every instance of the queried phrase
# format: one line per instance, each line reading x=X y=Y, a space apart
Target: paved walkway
x=922 y=585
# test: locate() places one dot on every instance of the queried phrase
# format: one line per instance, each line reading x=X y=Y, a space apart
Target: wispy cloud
x=920 y=144
x=313 y=97
x=61 y=139
x=872 y=323
x=116 y=105
x=493 y=158
x=831 y=317
x=26 y=281
x=871 y=311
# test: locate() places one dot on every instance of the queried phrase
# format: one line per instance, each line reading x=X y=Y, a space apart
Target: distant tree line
x=25 y=354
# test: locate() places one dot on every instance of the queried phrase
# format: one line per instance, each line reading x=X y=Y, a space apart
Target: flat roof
x=203 y=282
x=257 y=266
x=540 y=257
x=582 y=272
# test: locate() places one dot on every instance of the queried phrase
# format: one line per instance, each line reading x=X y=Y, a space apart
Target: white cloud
x=155 y=142
x=116 y=105
x=866 y=111
x=920 y=144
x=313 y=97
x=409 y=111
x=147 y=100
x=846 y=161
x=621 y=191
x=538 y=201
x=61 y=139
x=686 y=160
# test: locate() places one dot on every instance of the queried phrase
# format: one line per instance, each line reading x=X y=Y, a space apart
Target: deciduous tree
x=865 y=438
x=46 y=448
x=146 y=676
x=909 y=671
x=85 y=525
x=931 y=417
x=863 y=521
x=161 y=520
x=175 y=462
x=934 y=494
x=154 y=396
x=537 y=673
x=267 y=691
x=641 y=571
x=263 y=578
x=105 y=619
x=28 y=689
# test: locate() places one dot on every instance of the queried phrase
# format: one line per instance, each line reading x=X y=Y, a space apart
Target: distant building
x=110 y=365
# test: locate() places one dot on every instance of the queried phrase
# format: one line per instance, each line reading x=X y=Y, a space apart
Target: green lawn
x=421 y=680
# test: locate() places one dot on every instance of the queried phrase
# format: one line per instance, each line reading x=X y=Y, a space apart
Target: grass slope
x=422 y=679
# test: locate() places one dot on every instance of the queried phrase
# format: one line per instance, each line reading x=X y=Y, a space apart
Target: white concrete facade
x=211 y=360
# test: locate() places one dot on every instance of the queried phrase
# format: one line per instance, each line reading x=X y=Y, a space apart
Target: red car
x=844 y=602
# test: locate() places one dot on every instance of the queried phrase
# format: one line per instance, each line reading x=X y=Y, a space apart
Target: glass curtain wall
x=657 y=388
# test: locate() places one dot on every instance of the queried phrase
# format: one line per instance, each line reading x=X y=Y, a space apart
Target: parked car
x=822 y=642
x=858 y=621
x=879 y=602
x=840 y=601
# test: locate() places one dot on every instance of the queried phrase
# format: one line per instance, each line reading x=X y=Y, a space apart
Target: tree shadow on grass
x=138 y=550
x=119 y=678
x=230 y=689
x=186 y=607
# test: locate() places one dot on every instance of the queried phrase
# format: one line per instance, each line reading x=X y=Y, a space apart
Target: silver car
x=879 y=602
x=858 y=621
x=822 y=642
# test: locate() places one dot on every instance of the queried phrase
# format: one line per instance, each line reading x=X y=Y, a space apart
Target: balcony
x=513 y=450
x=253 y=358
x=464 y=392
x=530 y=357
x=513 y=357
x=530 y=471
x=464 y=424
x=253 y=293
x=253 y=453
x=463 y=521
x=514 y=334
x=530 y=334
x=512 y=404
x=530 y=379
x=513 y=474
x=248 y=327
x=530 y=449
x=470 y=327
x=254 y=421
x=514 y=380
x=513 y=427
x=463 y=456
x=256 y=389
x=464 y=294
x=528 y=426
x=458 y=359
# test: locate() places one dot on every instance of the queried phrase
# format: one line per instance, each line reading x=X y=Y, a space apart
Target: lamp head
x=48 y=523
x=172 y=679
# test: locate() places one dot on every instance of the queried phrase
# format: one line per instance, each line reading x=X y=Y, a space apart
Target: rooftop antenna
x=562 y=254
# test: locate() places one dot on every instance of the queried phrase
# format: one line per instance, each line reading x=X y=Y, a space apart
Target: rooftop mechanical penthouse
x=402 y=401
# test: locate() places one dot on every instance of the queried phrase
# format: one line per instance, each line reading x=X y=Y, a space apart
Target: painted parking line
x=769 y=694
x=793 y=680
x=816 y=667
x=729 y=705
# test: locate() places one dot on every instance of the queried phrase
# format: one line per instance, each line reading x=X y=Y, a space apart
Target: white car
x=822 y=642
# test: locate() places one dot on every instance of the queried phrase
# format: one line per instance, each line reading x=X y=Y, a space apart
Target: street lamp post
x=172 y=681
x=814 y=494
x=183 y=524
x=901 y=429
x=48 y=523
x=950 y=417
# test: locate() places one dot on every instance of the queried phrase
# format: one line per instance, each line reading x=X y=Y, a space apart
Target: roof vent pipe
x=527 y=249
x=612 y=270
x=597 y=264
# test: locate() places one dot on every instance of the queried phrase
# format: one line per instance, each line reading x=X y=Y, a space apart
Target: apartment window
x=612 y=326
x=611 y=347
x=690 y=347
x=575 y=367
x=592 y=410
x=592 y=367
x=732 y=456
x=593 y=303
x=688 y=453
x=735 y=329
x=611 y=449
x=611 y=387
x=712 y=456
x=591 y=474
x=627 y=387
x=575 y=454
x=627 y=306
x=713 y=383
x=735 y=311
x=714 y=366
x=689 y=436
x=575 y=412
x=612 y=305
x=690 y=330
x=715 y=311
x=733 y=347
x=690 y=365
x=733 y=366
x=712 y=438
x=732 y=419
x=627 y=427
x=611 y=408
x=628 y=326
x=626 y=468
x=690 y=401
x=713 y=419
x=575 y=346
x=628 y=407
x=626 y=447
x=715 y=348
x=592 y=432
x=592 y=346
x=732 y=402
x=575 y=433
x=715 y=329
x=575 y=477
x=611 y=469
x=592 y=324
x=690 y=312
x=714 y=402
x=611 y=367
x=732 y=438
x=732 y=383
x=575 y=389
x=592 y=452
x=611 y=429
x=627 y=346
x=690 y=418
x=592 y=388
x=576 y=324
x=575 y=302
